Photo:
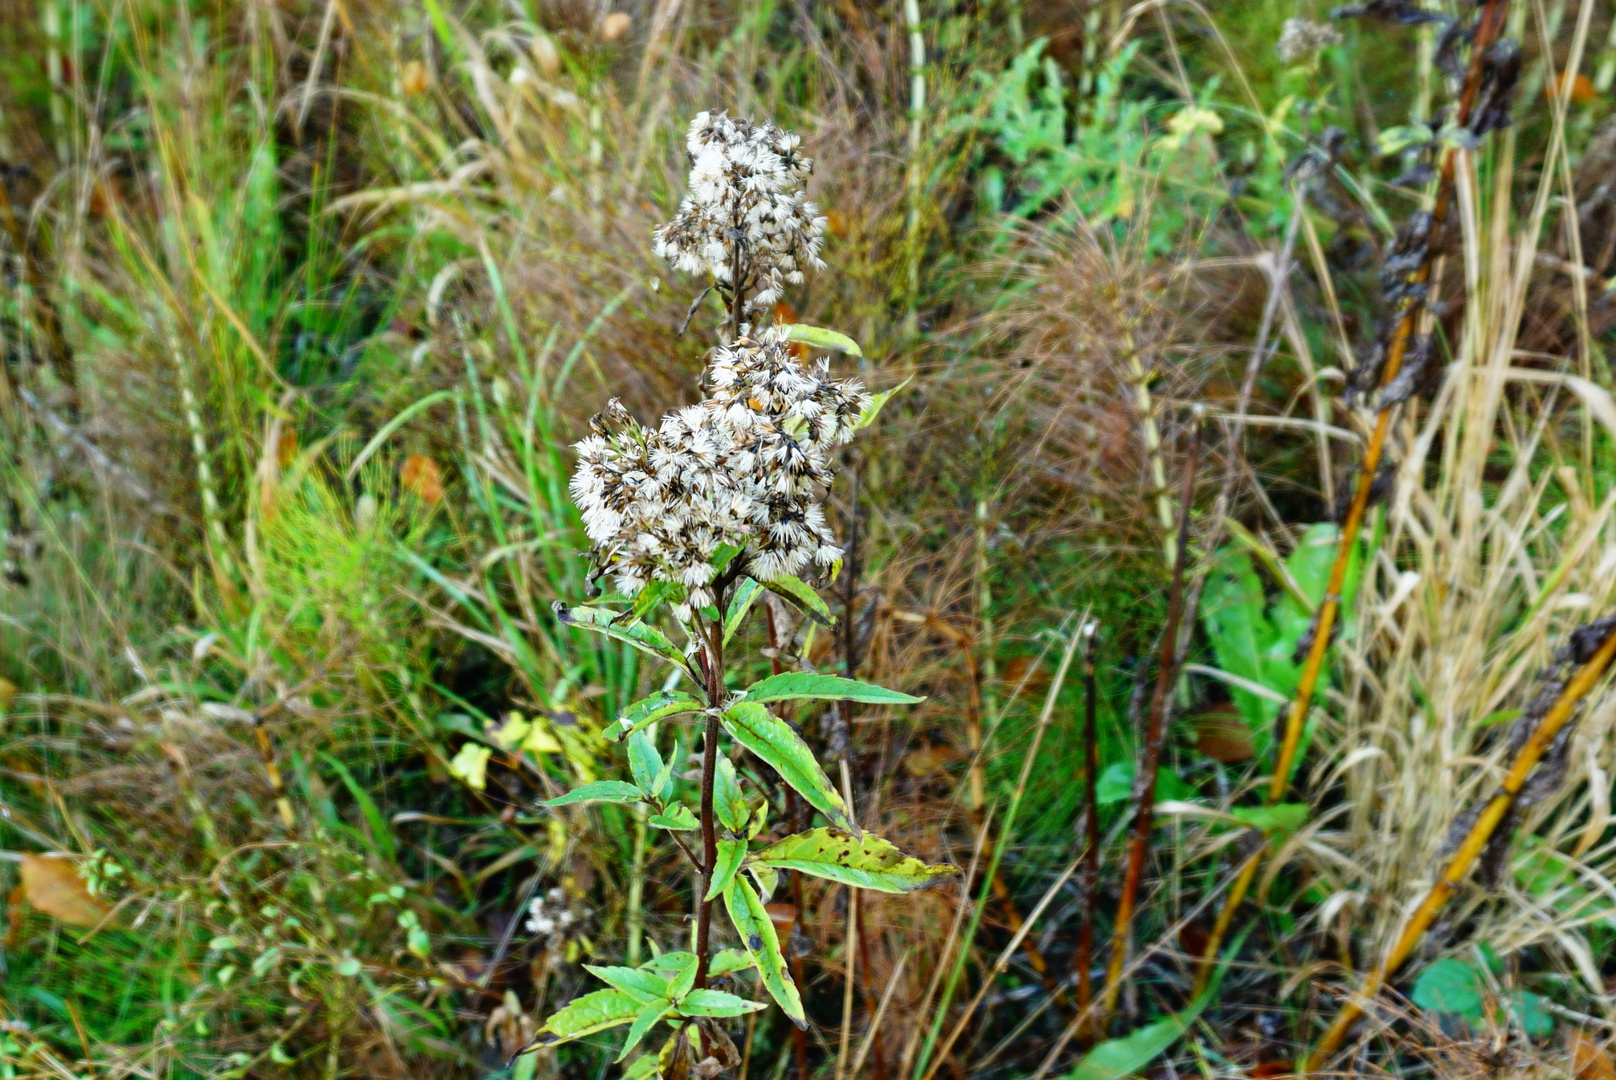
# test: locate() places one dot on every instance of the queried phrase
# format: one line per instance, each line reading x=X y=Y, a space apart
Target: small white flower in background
x=1301 y=38
x=549 y=915
x=748 y=466
x=747 y=187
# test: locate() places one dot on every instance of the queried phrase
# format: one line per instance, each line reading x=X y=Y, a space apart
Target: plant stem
x=1475 y=841
x=1150 y=756
x=1492 y=21
x=709 y=769
x=1083 y=961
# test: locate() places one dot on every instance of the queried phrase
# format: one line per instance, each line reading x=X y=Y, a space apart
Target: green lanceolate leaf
x=817 y=337
x=772 y=739
x=671 y=962
x=873 y=409
x=612 y=791
x=728 y=802
x=799 y=685
x=678 y=818
x=624 y=628
x=729 y=961
x=635 y=982
x=645 y=763
x=730 y=855
x=740 y=603
x=1281 y=819
x=752 y=922
x=802 y=596
x=651 y=597
x=716 y=1003
x=588 y=1014
x=683 y=979
x=643 y=1023
x=864 y=862
x=648 y=710
x=1116 y=1058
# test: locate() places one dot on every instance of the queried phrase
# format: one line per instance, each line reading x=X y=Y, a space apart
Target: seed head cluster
x=747 y=190
x=1301 y=39
x=748 y=466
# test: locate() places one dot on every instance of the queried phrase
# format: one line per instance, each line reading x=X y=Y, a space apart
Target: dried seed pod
x=1379 y=488
x=1500 y=76
x=1420 y=376
x=1398 y=12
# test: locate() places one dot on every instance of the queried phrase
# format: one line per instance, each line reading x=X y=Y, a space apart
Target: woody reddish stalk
x=1155 y=733
x=1083 y=960
x=1475 y=841
x=1492 y=22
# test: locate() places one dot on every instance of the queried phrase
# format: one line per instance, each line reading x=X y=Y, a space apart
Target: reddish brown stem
x=709 y=770
x=1084 y=960
x=1151 y=750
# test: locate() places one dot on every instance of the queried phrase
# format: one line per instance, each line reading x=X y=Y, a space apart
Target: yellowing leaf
x=865 y=862
x=52 y=884
x=471 y=765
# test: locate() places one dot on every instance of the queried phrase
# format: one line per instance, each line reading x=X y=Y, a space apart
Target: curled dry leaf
x=52 y=884
x=1589 y=1060
x=421 y=476
x=1223 y=736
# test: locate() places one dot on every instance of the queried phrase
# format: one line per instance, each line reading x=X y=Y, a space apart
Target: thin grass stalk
x=1083 y=960
x=1492 y=21
x=1151 y=748
x=1475 y=841
x=914 y=180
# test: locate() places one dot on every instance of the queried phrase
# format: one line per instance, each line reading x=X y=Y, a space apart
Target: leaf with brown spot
x=52 y=884
x=864 y=862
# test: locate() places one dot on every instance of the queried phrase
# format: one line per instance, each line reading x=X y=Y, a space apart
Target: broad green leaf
x=1116 y=785
x=740 y=603
x=612 y=791
x=730 y=855
x=799 y=685
x=716 y=1003
x=661 y=704
x=1233 y=612
x=624 y=628
x=801 y=596
x=635 y=982
x=1116 y=1058
x=817 y=337
x=1450 y=985
x=1309 y=566
x=752 y=922
x=772 y=739
x=588 y=1014
x=643 y=1023
x=729 y=961
x=678 y=818
x=683 y=979
x=873 y=409
x=1282 y=818
x=1527 y=1009
x=866 y=862
x=645 y=763
x=728 y=803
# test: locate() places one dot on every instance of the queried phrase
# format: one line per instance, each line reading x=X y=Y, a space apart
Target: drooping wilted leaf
x=52 y=884
x=612 y=791
x=865 y=862
x=589 y=1014
x=762 y=943
x=772 y=739
x=808 y=685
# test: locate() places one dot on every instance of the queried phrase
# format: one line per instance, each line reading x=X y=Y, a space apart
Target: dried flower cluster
x=748 y=466
x=747 y=214
x=1301 y=39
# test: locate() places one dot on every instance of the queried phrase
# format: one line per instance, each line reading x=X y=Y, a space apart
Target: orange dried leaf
x=420 y=475
x=1589 y=1060
x=1582 y=88
x=413 y=77
x=52 y=884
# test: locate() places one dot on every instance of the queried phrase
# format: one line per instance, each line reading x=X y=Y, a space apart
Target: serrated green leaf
x=864 y=862
x=772 y=739
x=678 y=818
x=649 y=710
x=817 y=337
x=873 y=409
x=612 y=791
x=635 y=982
x=730 y=855
x=1280 y=819
x=728 y=802
x=756 y=929
x=799 y=685
x=740 y=604
x=802 y=596
x=643 y=1023
x=645 y=763
x=625 y=628
x=589 y=1014
x=716 y=1003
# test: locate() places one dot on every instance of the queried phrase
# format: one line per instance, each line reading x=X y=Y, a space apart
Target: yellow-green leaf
x=865 y=862
x=758 y=937
x=730 y=855
x=589 y=1014
x=773 y=740
x=817 y=337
